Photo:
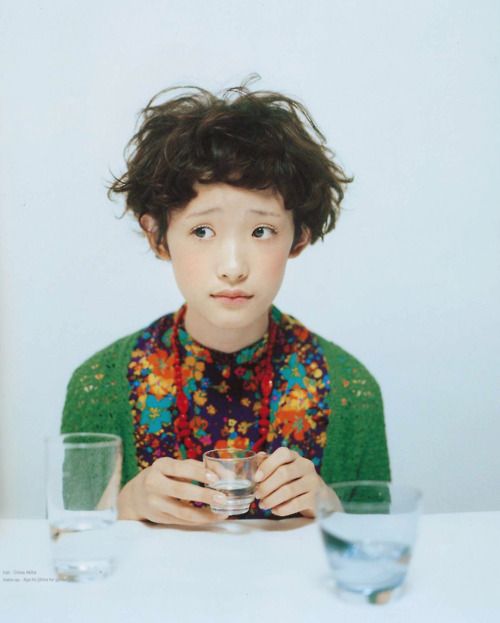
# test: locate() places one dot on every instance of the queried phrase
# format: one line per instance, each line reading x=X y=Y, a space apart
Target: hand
x=288 y=484
x=161 y=493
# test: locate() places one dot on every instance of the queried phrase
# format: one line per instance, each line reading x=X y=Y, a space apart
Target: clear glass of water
x=233 y=475
x=83 y=473
x=369 y=531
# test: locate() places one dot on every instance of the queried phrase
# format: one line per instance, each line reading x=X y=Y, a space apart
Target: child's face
x=229 y=248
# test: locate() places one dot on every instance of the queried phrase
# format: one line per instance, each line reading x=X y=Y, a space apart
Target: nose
x=232 y=264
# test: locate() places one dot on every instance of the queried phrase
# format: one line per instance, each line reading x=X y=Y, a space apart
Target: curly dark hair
x=250 y=139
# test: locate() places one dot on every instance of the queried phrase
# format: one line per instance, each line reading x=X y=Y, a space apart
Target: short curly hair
x=250 y=139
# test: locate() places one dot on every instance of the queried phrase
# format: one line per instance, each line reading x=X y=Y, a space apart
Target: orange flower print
x=271 y=435
x=198 y=423
x=241 y=443
x=161 y=365
x=199 y=397
x=243 y=427
x=321 y=439
x=292 y=424
x=159 y=386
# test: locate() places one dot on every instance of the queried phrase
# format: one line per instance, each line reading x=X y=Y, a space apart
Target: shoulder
x=98 y=380
x=344 y=368
x=108 y=365
x=342 y=361
x=107 y=358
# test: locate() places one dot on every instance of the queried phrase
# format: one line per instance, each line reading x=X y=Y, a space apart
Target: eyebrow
x=211 y=210
x=265 y=213
x=202 y=212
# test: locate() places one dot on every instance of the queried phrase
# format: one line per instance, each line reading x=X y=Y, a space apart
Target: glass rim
x=211 y=454
x=108 y=440
x=376 y=483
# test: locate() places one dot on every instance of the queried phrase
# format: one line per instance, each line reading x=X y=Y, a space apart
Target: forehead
x=223 y=197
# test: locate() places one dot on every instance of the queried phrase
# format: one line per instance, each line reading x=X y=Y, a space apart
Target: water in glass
x=369 y=568
x=83 y=545
x=239 y=494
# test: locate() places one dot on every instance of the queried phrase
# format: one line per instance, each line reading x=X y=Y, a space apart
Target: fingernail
x=259 y=475
x=219 y=498
x=263 y=505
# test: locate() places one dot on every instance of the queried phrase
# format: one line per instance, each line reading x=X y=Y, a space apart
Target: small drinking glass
x=369 y=530
x=83 y=472
x=233 y=475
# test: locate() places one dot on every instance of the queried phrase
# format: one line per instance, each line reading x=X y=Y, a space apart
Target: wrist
x=311 y=511
x=127 y=508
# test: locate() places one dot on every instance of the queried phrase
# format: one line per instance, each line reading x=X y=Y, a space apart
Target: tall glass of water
x=83 y=473
x=369 y=531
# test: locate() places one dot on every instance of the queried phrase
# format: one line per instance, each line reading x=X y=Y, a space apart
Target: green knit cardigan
x=97 y=400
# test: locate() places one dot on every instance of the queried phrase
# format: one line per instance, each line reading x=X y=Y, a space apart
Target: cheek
x=274 y=264
x=187 y=266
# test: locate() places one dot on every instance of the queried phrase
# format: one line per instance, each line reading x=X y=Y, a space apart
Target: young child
x=227 y=189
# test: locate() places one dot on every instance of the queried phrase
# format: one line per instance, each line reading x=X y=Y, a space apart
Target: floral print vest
x=224 y=394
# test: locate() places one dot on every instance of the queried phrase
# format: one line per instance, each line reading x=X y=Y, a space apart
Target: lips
x=232 y=294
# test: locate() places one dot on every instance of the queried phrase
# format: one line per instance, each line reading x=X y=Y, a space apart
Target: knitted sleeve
x=97 y=399
x=356 y=440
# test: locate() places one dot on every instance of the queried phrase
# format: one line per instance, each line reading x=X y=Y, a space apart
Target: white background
x=408 y=96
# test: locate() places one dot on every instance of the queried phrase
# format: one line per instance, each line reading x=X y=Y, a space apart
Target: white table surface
x=249 y=571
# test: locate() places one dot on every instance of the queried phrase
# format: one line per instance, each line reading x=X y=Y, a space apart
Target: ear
x=150 y=228
x=302 y=242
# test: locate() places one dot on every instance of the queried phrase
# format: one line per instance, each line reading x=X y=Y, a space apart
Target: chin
x=236 y=318
x=231 y=321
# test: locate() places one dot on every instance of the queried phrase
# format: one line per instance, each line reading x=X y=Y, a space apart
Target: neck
x=224 y=339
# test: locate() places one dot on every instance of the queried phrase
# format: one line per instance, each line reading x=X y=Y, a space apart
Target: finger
x=188 y=469
x=160 y=484
x=287 y=492
x=281 y=476
x=279 y=457
x=218 y=471
x=299 y=504
x=162 y=517
x=191 y=493
x=185 y=513
x=174 y=512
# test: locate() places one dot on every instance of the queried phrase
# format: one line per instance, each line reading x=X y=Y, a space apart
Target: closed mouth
x=232 y=295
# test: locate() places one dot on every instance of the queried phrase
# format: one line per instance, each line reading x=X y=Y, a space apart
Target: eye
x=263 y=231
x=204 y=232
